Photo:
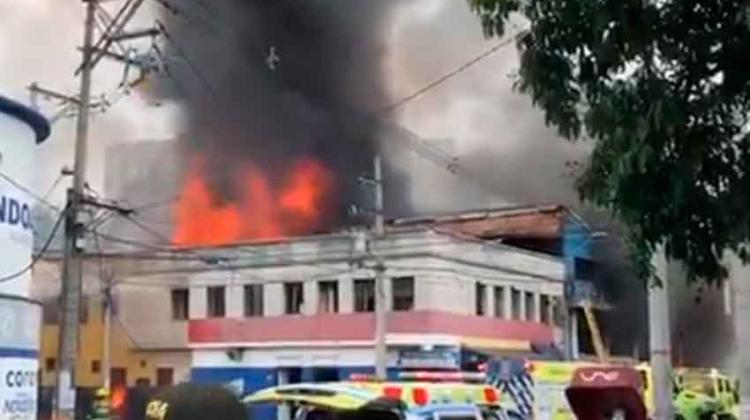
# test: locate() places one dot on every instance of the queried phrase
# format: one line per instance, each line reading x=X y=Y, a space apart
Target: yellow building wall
x=123 y=354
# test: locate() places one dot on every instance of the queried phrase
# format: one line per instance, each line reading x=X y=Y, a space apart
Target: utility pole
x=381 y=314
x=739 y=275
x=659 y=331
x=107 y=339
x=72 y=266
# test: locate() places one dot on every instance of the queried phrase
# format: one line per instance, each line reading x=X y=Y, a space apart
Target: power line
x=444 y=78
x=39 y=254
x=51 y=189
x=16 y=184
x=184 y=56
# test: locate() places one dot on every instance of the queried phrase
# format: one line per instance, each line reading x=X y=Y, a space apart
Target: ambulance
x=421 y=388
x=534 y=389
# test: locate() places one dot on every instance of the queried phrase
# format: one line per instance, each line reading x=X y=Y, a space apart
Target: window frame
x=328 y=286
x=172 y=296
x=368 y=300
x=216 y=309
x=405 y=280
x=248 y=304
x=289 y=306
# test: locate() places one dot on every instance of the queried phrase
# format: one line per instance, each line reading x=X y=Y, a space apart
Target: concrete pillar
x=198 y=302
x=346 y=295
x=740 y=276
x=522 y=305
x=310 y=297
x=659 y=333
x=273 y=295
x=489 y=297
x=389 y=292
x=508 y=306
x=575 y=347
x=537 y=307
x=235 y=298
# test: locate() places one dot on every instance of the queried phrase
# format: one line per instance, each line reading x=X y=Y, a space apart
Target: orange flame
x=293 y=207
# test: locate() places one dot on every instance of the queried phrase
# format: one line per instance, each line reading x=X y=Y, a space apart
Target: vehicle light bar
x=443 y=376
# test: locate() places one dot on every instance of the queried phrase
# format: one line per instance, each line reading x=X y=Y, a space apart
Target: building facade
x=303 y=309
x=134 y=360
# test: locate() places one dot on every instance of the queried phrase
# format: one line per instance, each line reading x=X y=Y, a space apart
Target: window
x=515 y=301
x=481 y=299
x=328 y=297
x=51 y=312
x=293 y=298
x=216 y=307
x=529 y=296
x=253 y=300
x=364 y=295
x=118 y=377
x=96 y=366
x=180 y=304
x=499 y=301
x=546 y=309
x=84 y=314
x=164 y=377
x=403 y=293
x=49 y=364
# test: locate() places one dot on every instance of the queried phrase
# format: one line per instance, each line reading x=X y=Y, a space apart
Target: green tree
x=662 y=89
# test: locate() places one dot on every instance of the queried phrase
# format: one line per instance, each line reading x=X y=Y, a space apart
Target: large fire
x=260 y=209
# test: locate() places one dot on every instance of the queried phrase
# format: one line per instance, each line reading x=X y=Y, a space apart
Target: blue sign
x=15 y=213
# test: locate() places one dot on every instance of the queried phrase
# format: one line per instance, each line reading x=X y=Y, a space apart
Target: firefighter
x=195 y=402
x=102 y=409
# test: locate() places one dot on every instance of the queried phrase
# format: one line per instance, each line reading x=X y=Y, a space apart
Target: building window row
x=402 y=294
x=514 y=304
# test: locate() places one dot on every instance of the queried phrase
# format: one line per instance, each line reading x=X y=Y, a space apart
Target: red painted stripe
x=360 y=326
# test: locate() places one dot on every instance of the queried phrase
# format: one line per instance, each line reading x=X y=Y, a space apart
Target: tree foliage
x=662 y=89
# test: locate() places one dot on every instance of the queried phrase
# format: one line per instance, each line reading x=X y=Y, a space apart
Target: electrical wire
x=444 y=78
x=51 y=189
x=40 y=199
x=185 y=57
x=39 y=254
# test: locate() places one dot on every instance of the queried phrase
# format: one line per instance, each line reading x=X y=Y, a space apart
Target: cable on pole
x=41 y=252
x=40 y=199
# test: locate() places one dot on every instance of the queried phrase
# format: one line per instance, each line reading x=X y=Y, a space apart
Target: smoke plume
x=272 y=84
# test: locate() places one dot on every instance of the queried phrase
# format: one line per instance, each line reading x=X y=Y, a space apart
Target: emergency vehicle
x=347 y=400
x=697 y=394
x=421 y=388
x=534 y=389
x=714 y=385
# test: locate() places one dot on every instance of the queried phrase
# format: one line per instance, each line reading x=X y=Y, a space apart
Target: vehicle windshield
x=699 y=383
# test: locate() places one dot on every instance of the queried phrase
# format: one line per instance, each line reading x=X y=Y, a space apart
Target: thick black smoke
x=273 y=81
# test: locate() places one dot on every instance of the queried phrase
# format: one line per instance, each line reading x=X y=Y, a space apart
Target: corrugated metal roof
x=538 y=222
